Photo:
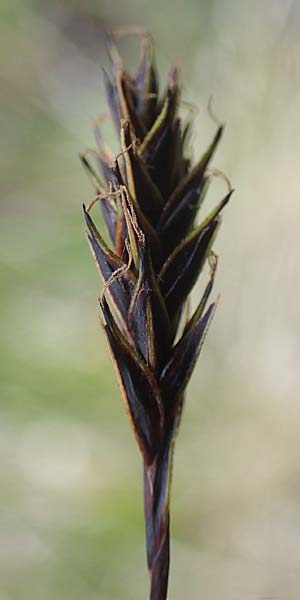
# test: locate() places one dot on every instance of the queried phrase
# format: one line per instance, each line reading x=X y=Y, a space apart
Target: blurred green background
x=71 y=502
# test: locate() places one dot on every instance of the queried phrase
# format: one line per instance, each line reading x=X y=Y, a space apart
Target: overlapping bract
x=150 y=197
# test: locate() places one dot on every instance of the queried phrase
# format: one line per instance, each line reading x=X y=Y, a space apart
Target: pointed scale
x=203 y=300
x=148 y=318
x=192 y=181
x=126 y=103
x=155 y=138
x=145 y=226
x=177 y=372
x=180 y=220
x=181 y=270
x=177 y=166
x=141 y=187
x=111 y=175
x=94 y=177
x=146 y=84
x=121 y=287
x=109 y=212
x=139 y=390
x=112 y=99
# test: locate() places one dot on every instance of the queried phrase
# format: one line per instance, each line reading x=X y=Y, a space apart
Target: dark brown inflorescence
x=150 y=197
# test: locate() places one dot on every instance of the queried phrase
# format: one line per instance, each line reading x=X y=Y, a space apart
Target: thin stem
x=157 y=519
x=159 y=571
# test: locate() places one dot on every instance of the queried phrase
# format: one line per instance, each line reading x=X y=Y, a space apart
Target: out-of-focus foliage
x=71 y=511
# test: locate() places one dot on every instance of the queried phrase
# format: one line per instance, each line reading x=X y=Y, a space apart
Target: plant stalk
x=157 y=520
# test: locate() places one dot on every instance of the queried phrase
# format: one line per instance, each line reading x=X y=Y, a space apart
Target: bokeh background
x=70 y=484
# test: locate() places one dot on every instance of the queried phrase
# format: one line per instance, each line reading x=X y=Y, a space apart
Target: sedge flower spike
x=150 y=195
